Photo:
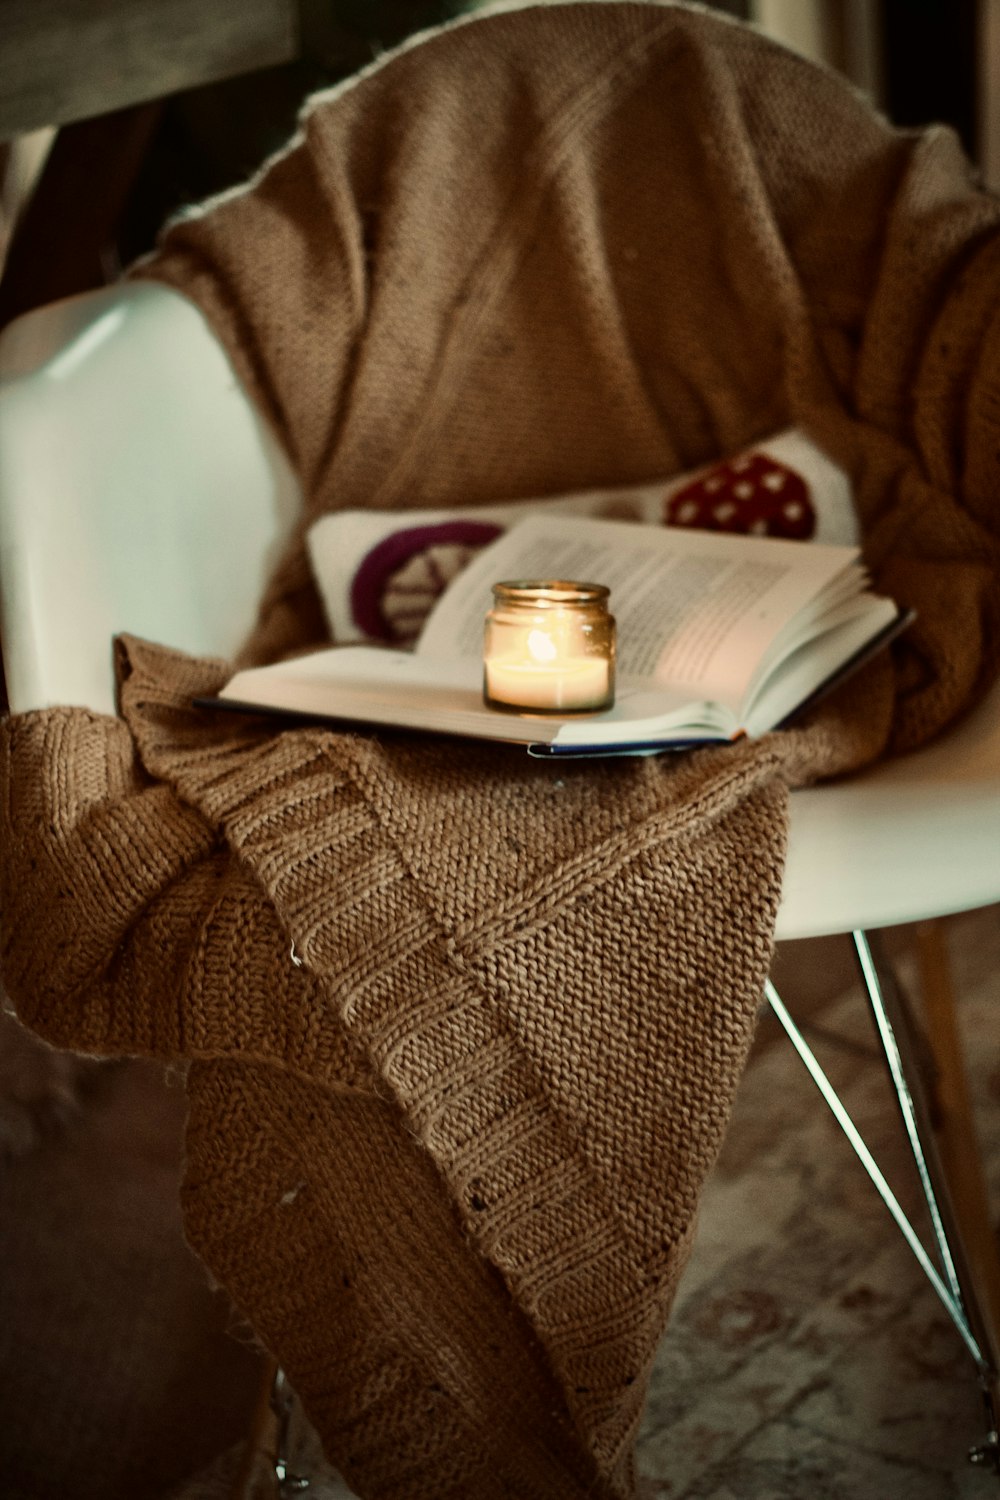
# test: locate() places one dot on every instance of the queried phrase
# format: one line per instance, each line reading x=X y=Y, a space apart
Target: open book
x=718 y=636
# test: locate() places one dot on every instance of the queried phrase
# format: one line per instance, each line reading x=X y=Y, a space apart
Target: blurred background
x=114 y=113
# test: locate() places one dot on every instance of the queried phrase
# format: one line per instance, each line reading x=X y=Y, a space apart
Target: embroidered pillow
x=380 y=572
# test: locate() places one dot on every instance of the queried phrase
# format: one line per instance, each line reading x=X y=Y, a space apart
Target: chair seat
x=916 y=837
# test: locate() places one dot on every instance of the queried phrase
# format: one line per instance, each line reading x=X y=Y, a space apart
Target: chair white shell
x=139 y=491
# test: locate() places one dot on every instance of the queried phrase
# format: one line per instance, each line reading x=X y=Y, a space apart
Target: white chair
x=140 y=491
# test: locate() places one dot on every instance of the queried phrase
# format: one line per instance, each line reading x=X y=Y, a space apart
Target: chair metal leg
x=264 y=1472
x=948 y=1300
x=898 y=1035
x=282 y=1404
x=957 y=1285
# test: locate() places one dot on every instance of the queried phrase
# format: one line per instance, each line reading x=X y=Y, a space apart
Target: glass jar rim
x=546 y=591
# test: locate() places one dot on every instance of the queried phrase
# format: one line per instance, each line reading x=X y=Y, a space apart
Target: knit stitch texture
x=448 y=1164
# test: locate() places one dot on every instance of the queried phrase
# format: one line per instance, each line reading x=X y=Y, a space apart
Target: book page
x=695 y=610
x=796 y=677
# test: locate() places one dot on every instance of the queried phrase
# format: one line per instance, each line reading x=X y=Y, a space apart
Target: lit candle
x=549 y=648
x=574 y=684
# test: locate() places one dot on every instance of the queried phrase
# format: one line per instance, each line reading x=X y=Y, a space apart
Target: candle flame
x=541 y=646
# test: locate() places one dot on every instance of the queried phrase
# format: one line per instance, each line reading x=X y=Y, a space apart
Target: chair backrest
x=139 y=491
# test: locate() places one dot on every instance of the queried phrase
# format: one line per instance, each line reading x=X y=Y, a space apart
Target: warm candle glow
x=541 y=646
x=570 y=682
x=549 y=648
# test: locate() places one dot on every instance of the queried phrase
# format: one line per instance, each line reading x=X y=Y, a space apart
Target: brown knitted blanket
x=462 y=1030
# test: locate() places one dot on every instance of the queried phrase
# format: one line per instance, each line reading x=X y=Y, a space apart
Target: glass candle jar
x=549 y=647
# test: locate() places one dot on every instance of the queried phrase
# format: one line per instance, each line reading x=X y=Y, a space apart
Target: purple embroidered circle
x=388 y=556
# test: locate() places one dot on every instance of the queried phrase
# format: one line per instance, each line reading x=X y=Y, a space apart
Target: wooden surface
x=65 y=60
x=88 y=175
x=955 y=1128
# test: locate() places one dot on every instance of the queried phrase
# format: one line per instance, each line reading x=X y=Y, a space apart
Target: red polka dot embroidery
x=753 y=495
